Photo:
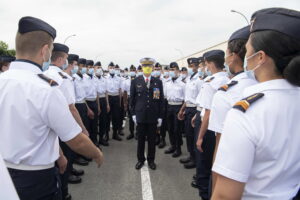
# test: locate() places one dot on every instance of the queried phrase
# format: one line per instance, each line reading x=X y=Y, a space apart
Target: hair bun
x=292 y=71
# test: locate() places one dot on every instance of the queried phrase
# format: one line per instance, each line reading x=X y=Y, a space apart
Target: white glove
x=134 y=119
x=159 y=122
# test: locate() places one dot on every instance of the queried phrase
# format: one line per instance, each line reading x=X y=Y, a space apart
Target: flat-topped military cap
x=111 y=64
x=158 y=64
x=90 y=63
x=82 y=61
x=282 y=20
x=242 y=33
x=73 y=57
x=201 y=59
x=98 y=63
x=213 y=54
x=7 y=58
x=30 y=24
x=139 y=67
x=147 y=61
x=192 y=61
x=174 y=65
x=60 y=47
x=184 y=69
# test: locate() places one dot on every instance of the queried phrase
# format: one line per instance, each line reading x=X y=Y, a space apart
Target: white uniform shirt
x=223 y=101
x=261 y=146
x=164 y=82
x=72 y=85
x=114 y=84
x=65 y=85
x=79 y=85
x=175 y=90
x=208 y=91
x=101 y=85
x=126 y=86
x=33 y=114
x=90 y=87
x=192 y=88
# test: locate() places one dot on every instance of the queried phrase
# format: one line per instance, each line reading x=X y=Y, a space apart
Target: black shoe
x=129 y=137
x=103 y=143
x=152 y=165
x=67 y=197
x=116 y=137
x=162 y=143
x=77 y=172
x=185 y=160
x=190 y=165
x=74 y=179
x=195 y=177
x=176 y=154
x=194 y=184
x=139 y=165
x=170 y=150
x=81 y=161
x=121 y=133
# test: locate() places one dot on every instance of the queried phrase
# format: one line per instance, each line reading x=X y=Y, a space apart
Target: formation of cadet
x=237 y=110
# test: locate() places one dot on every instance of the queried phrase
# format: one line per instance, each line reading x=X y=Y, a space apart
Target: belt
x=101 y=95
x=199 y=108
x=28 y=167
x=174 y=103
x=91 y=99
x=83 y=101
x=190 y=105
x=113 y=94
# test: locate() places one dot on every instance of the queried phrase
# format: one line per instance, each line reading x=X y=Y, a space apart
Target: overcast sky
x=124 y=31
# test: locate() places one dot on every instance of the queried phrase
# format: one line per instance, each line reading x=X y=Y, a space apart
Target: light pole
x=181 y=55
x=68 y=38
x=234 y=11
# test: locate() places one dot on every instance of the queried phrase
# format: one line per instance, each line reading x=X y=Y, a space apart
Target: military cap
x=192 y=61
x=184 y=69
x=174 y=65
x=242 y=33
x=213 y=54
x=82 y=61
x=117 y=66
x=132 y=67
x=7 y=58
x=73 y=57
x=111 y=64
x=147 y=62
x=60 y=47
x=98 y=63
x=90 y=63
x=30 y=24
x=126 y=69
x=139 y=67
x=166 y=68
x=158 y=64
x=201 y=59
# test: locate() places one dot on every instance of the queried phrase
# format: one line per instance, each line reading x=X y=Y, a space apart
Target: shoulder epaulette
x=225 y=87
x=209 y=80
x=63 y=76
x=48 y=80
x=245 y=103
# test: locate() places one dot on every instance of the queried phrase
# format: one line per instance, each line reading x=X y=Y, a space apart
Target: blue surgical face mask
x=111 y=71
x=156 y=73
x=153 y=74
x=172 y=74
x=83 y=70
x=91 y=71
x=227 y=69
x=200 y=72
x=166 y=73
x=140 y=73
x=250 y=73
x=117 y=72
x=183 y=76
x=46 y=64
x=99 y=72
x=75 y=69
x=132 y=74
x=190 y=71
x=207 y=72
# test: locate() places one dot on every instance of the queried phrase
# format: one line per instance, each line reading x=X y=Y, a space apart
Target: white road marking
x=146 y=183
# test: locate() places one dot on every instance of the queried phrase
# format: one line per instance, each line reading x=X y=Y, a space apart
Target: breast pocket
x=139 y=90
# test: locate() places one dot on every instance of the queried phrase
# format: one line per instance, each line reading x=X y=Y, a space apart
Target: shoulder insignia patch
x=225 y=87
x=209 y=80
x=245 y=103
x=62 y=75
x=48 y=80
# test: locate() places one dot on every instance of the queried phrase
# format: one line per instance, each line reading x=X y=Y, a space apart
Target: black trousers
x=131 y=122
x=122 y=114
x=93 y=123
x=82 y=109
x=164 y=125
x=146 y=130
x=37 y=185
x=174 y=126
x=115 y=112
x=103 y=118
x=69 y=154
x=189 y=130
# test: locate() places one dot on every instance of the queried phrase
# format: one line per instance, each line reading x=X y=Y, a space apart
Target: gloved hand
x=159 y=122
x=134 y=119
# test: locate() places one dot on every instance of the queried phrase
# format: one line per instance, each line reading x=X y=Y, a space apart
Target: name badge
x=156 y=93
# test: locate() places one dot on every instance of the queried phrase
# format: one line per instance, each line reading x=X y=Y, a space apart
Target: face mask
x=111 y=71
x=140 y=73
x=250 y=73
x=207 y=72
x=200 y=72
x=83 y=70
x=46 y=64
x=172 y=74
x=166 y=73
x=183 y=76
x=153 y=73
x=190 y=71
x=117 y=72
x=147 y=70
x=75 y=69
x=157 y=73
x=99 y=72
x=132 y=74
x=91 y=71
x=227 y=69
x=126 y=74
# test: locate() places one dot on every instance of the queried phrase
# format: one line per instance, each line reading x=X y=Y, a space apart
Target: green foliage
x=5 y=51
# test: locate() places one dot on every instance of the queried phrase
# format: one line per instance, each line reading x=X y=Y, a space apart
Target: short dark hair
x=57 y=54
x=217 y=60
x=284 y=50
x=238 y=47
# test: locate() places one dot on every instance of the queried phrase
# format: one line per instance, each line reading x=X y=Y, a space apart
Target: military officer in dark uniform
x=146 y=104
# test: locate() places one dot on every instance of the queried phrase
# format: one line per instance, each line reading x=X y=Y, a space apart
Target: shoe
x=162 y=143
x=67 y=197
x=139 y=165
x=170 y=150
x=190 y=165
x=130 y=136
x=81 y=161
x=195 y=177
x=194 y=184
x=157 y=140
x=74 y=179
x=152 y=165
x=176 y=154
x=121 y=133
x=77 y=172
x=103 y=143
x=116 y=137
x=185 y=160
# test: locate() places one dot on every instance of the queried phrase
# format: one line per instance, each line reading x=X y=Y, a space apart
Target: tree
x=5 y=51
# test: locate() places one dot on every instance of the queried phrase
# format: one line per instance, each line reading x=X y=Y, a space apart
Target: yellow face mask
x=147 y=70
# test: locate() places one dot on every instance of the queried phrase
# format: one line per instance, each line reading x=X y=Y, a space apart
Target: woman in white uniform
x=258 y=156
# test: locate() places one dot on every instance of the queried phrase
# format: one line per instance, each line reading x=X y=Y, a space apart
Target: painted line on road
x=146 y=183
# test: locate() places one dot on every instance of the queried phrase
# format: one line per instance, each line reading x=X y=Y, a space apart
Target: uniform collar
x=25 y=65
x=149 y=78
x=277 y=84
x=240 y=76
x=55 y=68
x=219 y=74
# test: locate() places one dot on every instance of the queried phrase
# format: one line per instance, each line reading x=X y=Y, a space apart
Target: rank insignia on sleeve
x=245 y=103
x=48 y=80
x=225 y=87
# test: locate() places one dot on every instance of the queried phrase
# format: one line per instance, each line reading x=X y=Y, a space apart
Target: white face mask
x=65 y=65
x=111 y=71
x=250 y=73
